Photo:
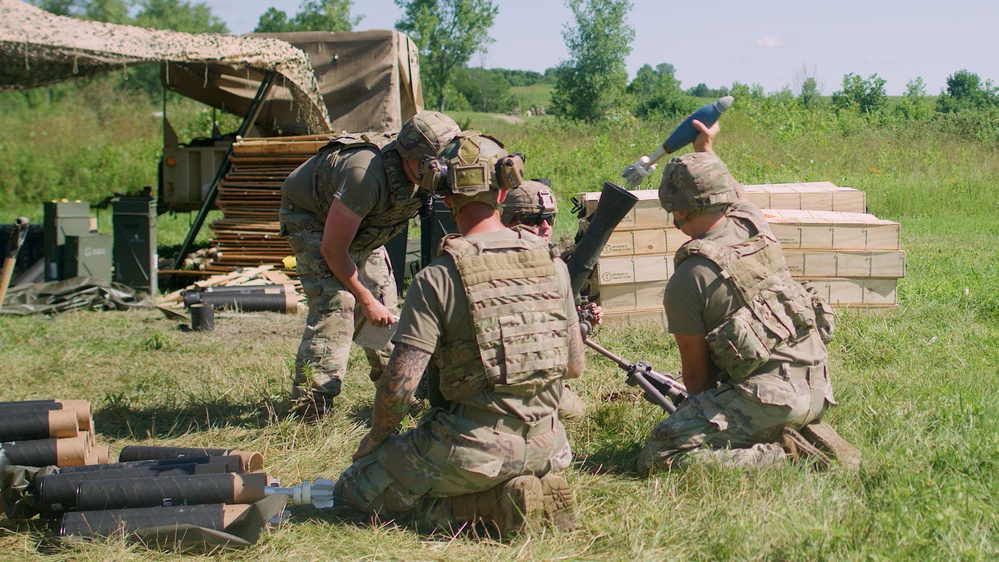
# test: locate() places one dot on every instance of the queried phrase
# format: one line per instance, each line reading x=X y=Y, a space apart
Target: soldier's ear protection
x=510 y=170
x=433 y=176
x=437 y=178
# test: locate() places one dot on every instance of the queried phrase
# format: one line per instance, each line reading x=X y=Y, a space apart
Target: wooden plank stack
x=249 y=198
x=852 y=258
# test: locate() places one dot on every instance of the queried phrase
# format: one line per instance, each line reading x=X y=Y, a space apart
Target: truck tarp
x=370 y=81
x=39 y=48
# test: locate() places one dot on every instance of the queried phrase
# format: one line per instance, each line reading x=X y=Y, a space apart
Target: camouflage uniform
x=764 y=334
x=500 y=419
x=364 y=172
x=495 y=311
x=536 y=198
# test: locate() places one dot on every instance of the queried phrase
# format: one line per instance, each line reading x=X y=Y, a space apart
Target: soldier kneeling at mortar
x=750 y=338
x=534 y=207
x=496 y=315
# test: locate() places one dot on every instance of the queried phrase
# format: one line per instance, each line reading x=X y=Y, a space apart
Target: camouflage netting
x=38 y=48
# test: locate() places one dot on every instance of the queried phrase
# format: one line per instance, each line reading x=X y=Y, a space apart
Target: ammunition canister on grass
x=251 y=460
x=84 y=418
x=105 y=523
x=169 y=491
x=71 y=451
x=42 y=424
x=57 y=492
x=231 y=463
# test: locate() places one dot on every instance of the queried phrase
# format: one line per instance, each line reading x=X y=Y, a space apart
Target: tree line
x=592 y=85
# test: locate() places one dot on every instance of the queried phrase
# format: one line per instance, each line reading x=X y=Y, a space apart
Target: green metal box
x=135 y=259
x=62 y=219
x=87 y=255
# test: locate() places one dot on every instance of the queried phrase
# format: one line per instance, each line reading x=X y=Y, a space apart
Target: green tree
x=914 y=104
x=274 y=21
x=657 y=92
x=448 y=33
x=864 y=95
x=179 y=15
x=325 y=15
x=58 y=7
x=965 y=90
x=485 y=90
x=809 y=95
x=593 y=81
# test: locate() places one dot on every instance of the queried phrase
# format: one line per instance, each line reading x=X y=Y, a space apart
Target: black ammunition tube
x=169 y=491
x=71 y=451
x=230 y=462
x=57 y=492
x=37 y=424
x=252 y=461
x=105 y=523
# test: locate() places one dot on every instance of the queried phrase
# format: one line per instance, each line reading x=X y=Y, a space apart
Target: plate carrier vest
x=518 y=313
x=405 y=198
x=776 y=310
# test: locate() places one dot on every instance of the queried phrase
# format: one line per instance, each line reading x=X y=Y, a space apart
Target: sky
x=773 y=43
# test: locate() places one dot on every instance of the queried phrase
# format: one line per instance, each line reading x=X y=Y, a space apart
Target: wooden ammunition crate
x=851 y=292
x=628 y=270
x=845 y=263
x=817 y=196
x=832 y=230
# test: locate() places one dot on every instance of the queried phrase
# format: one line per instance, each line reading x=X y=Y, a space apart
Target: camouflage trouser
x=333 y=312
x=740 y=423
x=446 y=456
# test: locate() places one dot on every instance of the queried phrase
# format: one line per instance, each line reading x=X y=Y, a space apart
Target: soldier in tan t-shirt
x=750 y=338
x=338 y=209
x=496 y=315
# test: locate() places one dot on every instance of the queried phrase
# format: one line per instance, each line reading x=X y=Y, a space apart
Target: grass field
x=916 y=387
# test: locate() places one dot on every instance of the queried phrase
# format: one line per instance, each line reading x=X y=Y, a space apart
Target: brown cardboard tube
x=252 y=461
x=71 y=451
x=98 y=455
x=63 y=423
x=232 y=512
x=83 y=414
x=248 y=488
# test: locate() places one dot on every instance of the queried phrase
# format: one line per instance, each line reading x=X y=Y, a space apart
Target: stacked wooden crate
x=249 y=198
x=850 y=257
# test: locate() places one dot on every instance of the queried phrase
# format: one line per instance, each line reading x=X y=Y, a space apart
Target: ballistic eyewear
x=536 y=219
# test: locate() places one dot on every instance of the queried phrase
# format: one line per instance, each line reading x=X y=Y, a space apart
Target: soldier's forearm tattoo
x=396 y=388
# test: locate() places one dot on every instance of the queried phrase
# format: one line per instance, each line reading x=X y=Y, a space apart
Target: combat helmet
x=470 y=168
x=532 y=198
x=697 y=182
x=425 y=134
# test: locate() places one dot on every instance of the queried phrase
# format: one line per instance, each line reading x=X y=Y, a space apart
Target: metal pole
x=251 y=115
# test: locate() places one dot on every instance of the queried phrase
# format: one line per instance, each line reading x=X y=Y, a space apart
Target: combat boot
x=823 y=436
x=312 y=405
x=506 y=509
x=799 y=449
x=560 y=508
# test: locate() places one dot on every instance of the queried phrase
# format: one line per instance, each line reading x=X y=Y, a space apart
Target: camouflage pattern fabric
x=425 y=134
x=531 y=198
x=695 y=182
x=738 y=423
x=445 y=456
x=333 y=313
